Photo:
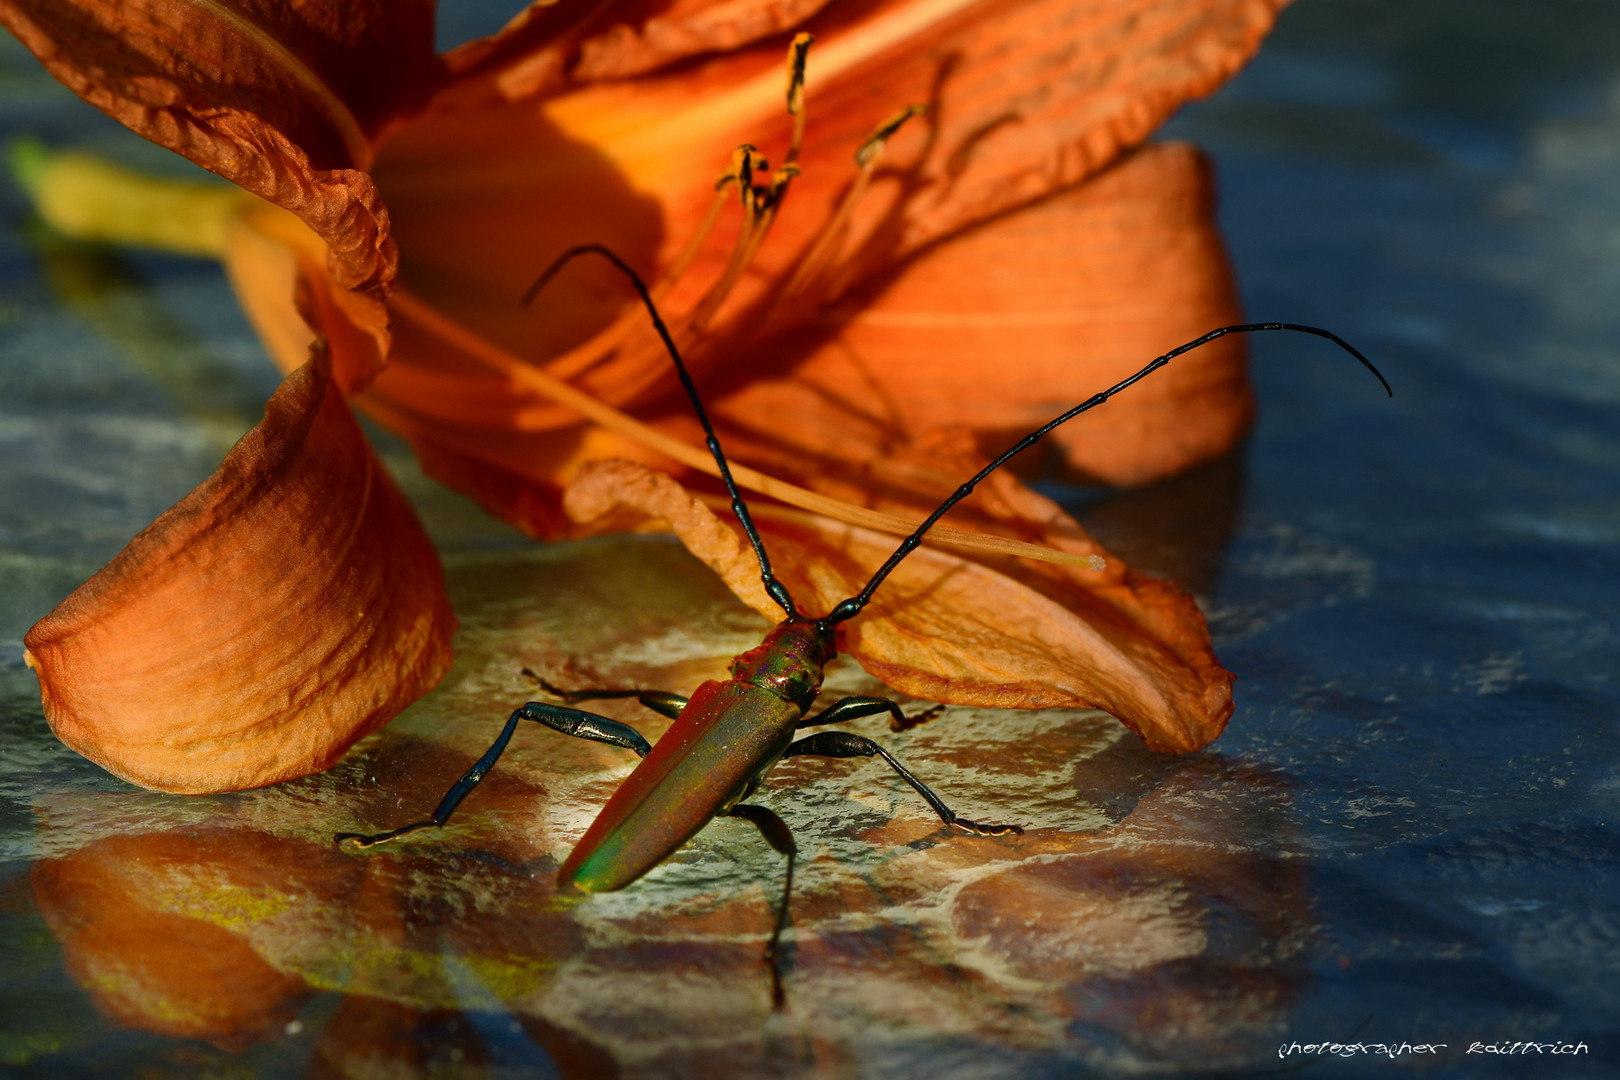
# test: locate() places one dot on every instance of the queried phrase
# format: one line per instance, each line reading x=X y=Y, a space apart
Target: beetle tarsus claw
x=906 y=723
x=980 y=829
x=546 y=687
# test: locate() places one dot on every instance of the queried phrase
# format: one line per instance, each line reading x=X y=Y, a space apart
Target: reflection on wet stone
x=370 y=1037
x=160 y=928
x=1178 y=528
x=1138 y=920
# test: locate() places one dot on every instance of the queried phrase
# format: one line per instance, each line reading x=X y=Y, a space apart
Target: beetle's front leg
x=843 y=744
x=853 y=708
x=575 y=722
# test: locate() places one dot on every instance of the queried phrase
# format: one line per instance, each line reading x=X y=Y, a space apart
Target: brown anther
x=773 y=193
x=869 y=150
x=797 y=52
x=737 y=167
x=759 y=198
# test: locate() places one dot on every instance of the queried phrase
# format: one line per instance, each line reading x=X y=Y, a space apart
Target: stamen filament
x=759 y=207
x=688 y=255
x=546 y=385
x=830 y=240
x=583 y=356
x=948 y=537
x=752 y=233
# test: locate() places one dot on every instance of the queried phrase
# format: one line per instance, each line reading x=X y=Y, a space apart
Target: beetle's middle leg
x=853 y=708
x=575 y=722
x=844 y=744
x=659 y=701
x=780 y=837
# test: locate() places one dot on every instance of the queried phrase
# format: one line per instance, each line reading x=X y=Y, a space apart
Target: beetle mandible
x=728 y=735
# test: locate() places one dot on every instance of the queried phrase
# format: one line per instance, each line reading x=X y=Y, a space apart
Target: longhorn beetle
x=728 y=735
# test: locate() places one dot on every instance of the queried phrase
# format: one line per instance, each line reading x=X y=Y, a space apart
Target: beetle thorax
x=789 y=661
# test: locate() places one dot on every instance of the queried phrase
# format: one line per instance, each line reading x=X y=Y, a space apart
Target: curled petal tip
x=949 y=629
x=285 y=608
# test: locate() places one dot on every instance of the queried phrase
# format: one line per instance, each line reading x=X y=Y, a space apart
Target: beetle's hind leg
x=575 y=722
x=659 y=701
x=780 y=837
x=844 y=744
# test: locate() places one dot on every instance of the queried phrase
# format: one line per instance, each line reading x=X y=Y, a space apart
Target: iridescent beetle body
x=719 y=748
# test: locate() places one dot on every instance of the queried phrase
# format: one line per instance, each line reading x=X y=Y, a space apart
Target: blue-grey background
x=1438 y=182
x=1420 y=597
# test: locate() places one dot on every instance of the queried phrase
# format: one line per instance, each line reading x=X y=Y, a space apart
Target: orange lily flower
x=864 y=330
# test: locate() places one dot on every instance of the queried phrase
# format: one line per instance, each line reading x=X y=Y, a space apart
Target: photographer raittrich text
x=1529 y=1048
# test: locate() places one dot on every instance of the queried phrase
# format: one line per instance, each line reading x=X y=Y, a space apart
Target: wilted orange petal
x=1025 y=99
x=549 y=43
x=669 y=31
x=616 y=494
x=283 y=99
x=1028 y=99
x=1004 y=327
x=288 y=606
x=948 y=629
x=274 y=264
x=1046 y=306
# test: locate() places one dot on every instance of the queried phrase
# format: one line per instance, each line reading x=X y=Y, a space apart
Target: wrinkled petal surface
x=283 y=99
x=949 y=629
x=1024 y=100
x=550 y=44
x=282 y=610
x=1006 y=326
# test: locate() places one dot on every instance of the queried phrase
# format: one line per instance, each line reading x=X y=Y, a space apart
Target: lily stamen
x=586 y=355
x=711 y=218
x=797 y=51
x=758 y=215
x=829 y=243
x=759 y=206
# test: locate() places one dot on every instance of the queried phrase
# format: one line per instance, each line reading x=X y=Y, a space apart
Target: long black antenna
x=773 y=586
x=852 y=607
